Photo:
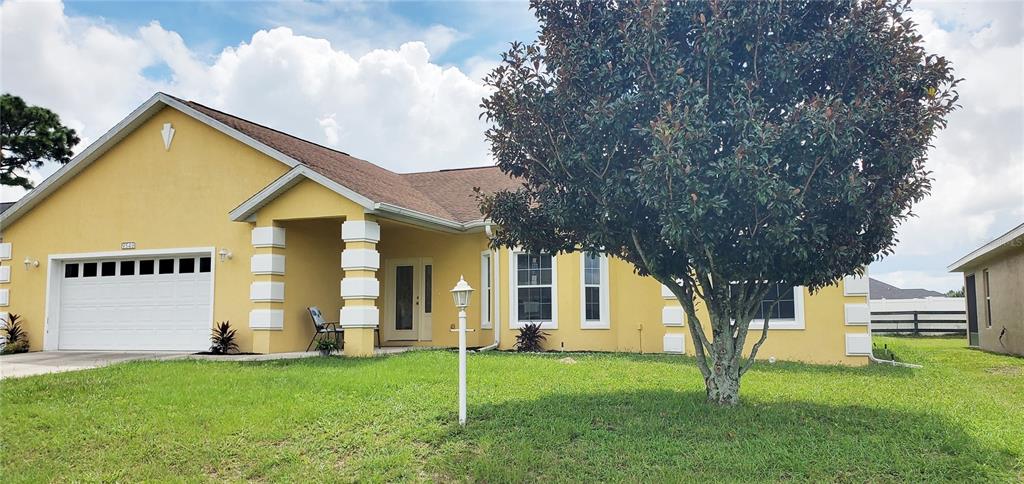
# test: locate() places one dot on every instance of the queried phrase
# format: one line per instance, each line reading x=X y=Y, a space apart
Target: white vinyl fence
x=932 y=315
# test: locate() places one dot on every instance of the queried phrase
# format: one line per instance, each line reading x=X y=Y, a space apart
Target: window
x=785 y=308
x=486 y=284
x=70 y=270
x=788 y=313
x=404 y=283
x=166 y=266
x=594 y=290
x=186 y=266
x=108 y=268
x=146 y=267
x=428 y=283
x=127 y=268
x=988 y=298
x=204 y=264
x=533 y=278
x=89 y=269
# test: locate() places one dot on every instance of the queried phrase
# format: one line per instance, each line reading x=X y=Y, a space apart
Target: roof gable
x=445 y=198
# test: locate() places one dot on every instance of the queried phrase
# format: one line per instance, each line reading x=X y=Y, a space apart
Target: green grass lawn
x=607 y=417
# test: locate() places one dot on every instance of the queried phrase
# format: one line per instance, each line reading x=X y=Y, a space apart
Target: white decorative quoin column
x=673 y=319
x=266 y=291
x=360 y=288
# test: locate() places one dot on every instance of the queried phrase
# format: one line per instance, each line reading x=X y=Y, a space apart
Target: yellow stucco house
x=182 y=216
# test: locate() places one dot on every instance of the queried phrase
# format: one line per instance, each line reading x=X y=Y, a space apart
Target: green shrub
x=326 y=346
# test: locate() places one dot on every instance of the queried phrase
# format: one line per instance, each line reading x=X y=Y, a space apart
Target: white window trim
x=798 y=322
x=513 y=293
x=486 y=261
x=604 y=322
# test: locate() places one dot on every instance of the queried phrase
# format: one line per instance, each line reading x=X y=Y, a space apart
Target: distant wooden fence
x=918 y=322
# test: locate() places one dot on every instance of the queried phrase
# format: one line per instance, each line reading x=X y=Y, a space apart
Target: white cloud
x=346 y=75
x=978 y=160
x=393 y=107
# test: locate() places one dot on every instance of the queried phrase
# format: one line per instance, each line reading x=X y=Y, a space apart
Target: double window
x=534 y=294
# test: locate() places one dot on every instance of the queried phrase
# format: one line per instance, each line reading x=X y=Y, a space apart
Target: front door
x=409 y=302
x=972 y=311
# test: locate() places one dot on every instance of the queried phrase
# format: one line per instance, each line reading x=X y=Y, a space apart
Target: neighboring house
x=183 y=215
x=918 y=311
x=881 y=290
x=994 y=287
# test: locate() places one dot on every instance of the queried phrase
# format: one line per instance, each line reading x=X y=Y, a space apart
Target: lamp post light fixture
x=460 y=295
x=225 y=255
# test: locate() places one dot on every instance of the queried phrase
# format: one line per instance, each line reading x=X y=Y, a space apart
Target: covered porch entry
x=384 y=281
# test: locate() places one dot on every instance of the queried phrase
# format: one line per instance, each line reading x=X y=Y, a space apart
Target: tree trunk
x=723 y=383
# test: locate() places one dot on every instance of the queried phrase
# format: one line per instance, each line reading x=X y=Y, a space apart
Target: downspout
x=892 y=362
x=495 y=277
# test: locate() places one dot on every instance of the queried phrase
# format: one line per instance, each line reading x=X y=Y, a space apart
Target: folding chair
x=321 y=327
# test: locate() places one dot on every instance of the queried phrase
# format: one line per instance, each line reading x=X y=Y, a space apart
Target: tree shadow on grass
x=672 y=436
x=762 y=366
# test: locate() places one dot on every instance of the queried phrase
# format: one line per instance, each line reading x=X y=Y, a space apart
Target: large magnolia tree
x=721 y=147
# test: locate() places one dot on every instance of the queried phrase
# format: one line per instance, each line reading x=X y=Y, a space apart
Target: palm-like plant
x=15 y=337
x=530 y=338
x=223 y=339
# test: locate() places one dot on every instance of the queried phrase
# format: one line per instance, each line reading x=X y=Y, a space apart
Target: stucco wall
x=1006 y=283
x=157 y=198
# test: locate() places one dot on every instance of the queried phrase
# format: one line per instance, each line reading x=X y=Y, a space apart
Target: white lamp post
x=460 y=294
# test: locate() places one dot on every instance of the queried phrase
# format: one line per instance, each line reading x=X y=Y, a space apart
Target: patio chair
x=322 y=327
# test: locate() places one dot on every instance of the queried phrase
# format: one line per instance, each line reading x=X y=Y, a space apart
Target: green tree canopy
x=29 y=136
x=721 y=147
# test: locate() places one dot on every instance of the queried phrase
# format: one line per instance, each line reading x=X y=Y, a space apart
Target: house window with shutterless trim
x=988 y=298
x=788 y=310
x=594 y=291
x=486 y=283
x=534 y=298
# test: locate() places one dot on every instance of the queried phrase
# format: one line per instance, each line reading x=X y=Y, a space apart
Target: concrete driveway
x=38 y=363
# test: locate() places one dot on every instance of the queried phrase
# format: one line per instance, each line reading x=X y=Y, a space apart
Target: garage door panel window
x=108 y=269
x=70 y=270
x=205 y=264
x=146 y=267
x=89 y=269
x=127 y=268
x=186 y=266
x=166 y=266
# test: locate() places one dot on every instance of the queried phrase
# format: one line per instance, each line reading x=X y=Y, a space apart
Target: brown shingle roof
x=453 y=189
x=361 y=176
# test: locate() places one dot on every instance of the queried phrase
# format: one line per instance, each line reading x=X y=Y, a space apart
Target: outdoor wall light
x=224 y=254
x=29 y=263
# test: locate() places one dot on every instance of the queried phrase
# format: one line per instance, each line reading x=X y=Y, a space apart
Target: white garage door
x=156 y=304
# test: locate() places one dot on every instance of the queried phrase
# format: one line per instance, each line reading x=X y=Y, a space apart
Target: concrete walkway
x=38 y=363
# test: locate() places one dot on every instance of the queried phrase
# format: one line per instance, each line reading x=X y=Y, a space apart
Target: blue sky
x=398 y=83
x=483 y=28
